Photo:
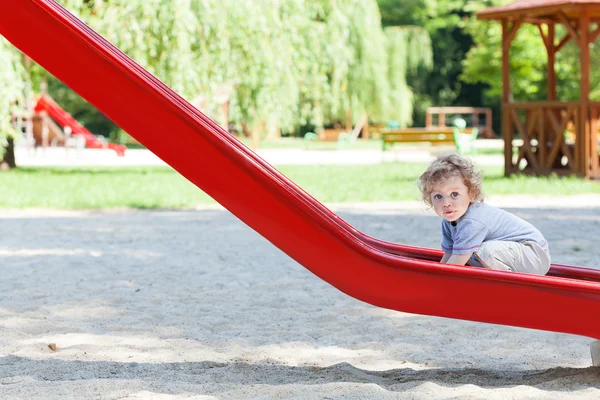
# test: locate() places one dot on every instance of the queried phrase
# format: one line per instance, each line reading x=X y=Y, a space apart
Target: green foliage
x=403 y=41
x=406 y=12
x=444 y=21
x=528 y=62
x=484 y=61
x=13 y=81
x=294 y=62
x=368 y=85
x=289 y=62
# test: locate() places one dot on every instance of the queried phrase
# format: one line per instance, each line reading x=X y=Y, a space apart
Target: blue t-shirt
x=482 y=223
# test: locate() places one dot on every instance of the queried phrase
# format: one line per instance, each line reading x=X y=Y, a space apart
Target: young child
x=474 y=232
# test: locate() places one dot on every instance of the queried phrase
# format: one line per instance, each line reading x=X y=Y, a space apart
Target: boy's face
x=450 y=199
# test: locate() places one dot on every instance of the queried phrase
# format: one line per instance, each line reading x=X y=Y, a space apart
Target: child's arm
x=458 y=259
x=445 y=257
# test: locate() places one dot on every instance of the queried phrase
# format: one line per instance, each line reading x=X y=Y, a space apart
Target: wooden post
x=595 y=162
x=428 y=119
x=551 y=51
x=507 y=130
x=550 y=47
x=488 y=123
x=582 y=141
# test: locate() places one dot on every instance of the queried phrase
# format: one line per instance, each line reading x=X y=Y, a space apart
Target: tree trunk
x=8 y=161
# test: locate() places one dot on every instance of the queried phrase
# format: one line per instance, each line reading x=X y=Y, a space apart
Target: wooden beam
x=542 y=141
x=488 y=124
x=564 y=41
x=457 y=110
x=594 y=139
x=582 y=142
x=551 y=63
x=565 y=20
x=547 y=44
x=594 y=35
x=535 y=21
x=557 y=137
x=526 y=139
x=505 y=14
x=513 y=30
x=507 y=129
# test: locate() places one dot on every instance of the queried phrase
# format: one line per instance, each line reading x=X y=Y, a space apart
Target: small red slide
x=46 y=103
x=393 y=276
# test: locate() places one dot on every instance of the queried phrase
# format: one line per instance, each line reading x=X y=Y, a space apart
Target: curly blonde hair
x=447 y=167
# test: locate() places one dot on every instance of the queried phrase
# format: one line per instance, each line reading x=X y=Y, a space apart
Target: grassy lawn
x=161 y=187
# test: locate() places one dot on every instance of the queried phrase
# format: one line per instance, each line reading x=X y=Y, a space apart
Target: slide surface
x=46 y=103
x=398 y=277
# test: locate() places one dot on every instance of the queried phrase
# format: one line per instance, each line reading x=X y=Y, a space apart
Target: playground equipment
x=435 y=134
x=441 y=136
x=464 y=141
x=45 y=104
x=399 y=277
x=485 y=129
x=310 y=137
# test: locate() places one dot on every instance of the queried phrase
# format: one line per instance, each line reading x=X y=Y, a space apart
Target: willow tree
x=13 y=81
x=367 y=67
x=292 y=62
x=201 y=47
x=289 y=62
x=407 y=48
x=368 y=85
x=247 y=46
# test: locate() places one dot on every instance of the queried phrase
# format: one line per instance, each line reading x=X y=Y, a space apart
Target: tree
x=406 y=12
x=13 y=81
x=444 y=20
x=408 y=49
x=288 y=62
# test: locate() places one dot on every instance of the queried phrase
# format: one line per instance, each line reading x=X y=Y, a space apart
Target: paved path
x=141 y=157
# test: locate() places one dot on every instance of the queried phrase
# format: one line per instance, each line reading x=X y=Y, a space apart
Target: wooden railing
x=554 y=138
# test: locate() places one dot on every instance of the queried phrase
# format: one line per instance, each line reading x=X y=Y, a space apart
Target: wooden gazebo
x=557 y=136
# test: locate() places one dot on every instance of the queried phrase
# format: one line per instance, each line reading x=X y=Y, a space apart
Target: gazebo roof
x=543 y=10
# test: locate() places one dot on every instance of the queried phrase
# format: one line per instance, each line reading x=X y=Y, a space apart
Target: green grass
x=161 y=187
x=82 y=188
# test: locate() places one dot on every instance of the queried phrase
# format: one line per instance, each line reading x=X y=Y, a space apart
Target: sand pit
x=194 y=304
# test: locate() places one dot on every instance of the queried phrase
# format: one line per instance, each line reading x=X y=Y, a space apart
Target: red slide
x=46 y=103
x=398 y=277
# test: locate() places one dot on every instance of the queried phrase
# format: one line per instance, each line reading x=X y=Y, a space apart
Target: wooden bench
x=331 y=135
x=476 y=112
x=435 y=136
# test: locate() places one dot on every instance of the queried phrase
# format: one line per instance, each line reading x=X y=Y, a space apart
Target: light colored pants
x=528 y=257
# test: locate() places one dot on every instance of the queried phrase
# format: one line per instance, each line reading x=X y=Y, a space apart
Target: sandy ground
x=196 y=305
